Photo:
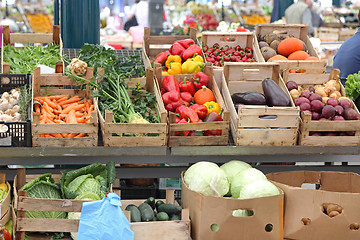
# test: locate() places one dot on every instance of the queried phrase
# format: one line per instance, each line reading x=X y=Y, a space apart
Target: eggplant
x=275 y=96
x=249 y=98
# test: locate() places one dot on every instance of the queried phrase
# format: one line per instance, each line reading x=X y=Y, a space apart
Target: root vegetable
x=339 y=110
x=328 y=111
x=329 y=90
x=333 y=83
x=351 y=114
x=338 y=118
x=3 y=128
x=321 y=91
x=332 y=101
x=335 y=95
x=316 y=106
x=294 y=94
x=333 y=214
x=305 y=94
x=345 y=103
x=315 y=96
x=317 y=134
x=315 y=116
x=301 y=100
x=331 y=134
x=291 y=85
x=325 y=99
x=305 y=106
x=77 y=66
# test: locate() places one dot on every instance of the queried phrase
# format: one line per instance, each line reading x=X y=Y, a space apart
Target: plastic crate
x=19 y=133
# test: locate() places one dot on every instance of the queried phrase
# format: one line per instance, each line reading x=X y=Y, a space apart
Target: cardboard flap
x=295 y=178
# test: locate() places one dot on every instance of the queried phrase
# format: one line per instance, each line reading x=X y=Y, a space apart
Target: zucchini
x=158 y=203
x=135 y=215
x=146 y=212
x=151 y=202
x=170 y=209
x=162 y=216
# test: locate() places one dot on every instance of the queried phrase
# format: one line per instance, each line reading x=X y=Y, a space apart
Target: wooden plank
x=135 y=128
x=244 y=39
x=351 y=125
x=56 y=205
x=289 y=121
x=135 y=141
x=161 y=40
x=27 y=38
x=47 y=225
x=268 y=137
x=168 y=230
x=330 y=141
x=59 y=91
x=198 y=141
x=65 y=142
x=55 y=79
x=199 y=126
x=20 y=233
x=64 y=128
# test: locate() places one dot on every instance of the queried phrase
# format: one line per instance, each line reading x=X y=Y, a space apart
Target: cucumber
x=146 y=212
x=151 y=202
x=158 y=203
x=175 y=217
x=135 y=215
x=170 y=209
x=162 y=216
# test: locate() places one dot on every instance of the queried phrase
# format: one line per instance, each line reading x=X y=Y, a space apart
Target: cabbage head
x=207 y=178
x=85 y=184
x=244 y=178
x=234 y=168
x=259 y=188
x=242 y=213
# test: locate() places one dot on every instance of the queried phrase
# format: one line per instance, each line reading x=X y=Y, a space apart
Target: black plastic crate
x=18 y=133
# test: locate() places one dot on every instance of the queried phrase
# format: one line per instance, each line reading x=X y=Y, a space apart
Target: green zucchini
x=158 y=203
x=146 y=212
x=162 y=216
x=170 y=209
x=135 y=215
x=151 y=202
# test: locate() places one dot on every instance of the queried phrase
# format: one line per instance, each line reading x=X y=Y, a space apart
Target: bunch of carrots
x=63 y=109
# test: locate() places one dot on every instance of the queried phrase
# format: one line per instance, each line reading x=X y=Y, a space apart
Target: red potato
x=332 y=101
x=312 y=89
x=315 y=96
x=339 y=110
x=345 y=103
x=328 y=112
x=315 y=134
x=315 y=116
x=291 y=85
x=305 y=94
x=351 y=114
x=331 y=134
x=338 y=118
x=305 y=106
x=301 y=100
x=317 y=106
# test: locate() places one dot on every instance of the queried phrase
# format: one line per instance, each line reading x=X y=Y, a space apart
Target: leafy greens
x=352 y=86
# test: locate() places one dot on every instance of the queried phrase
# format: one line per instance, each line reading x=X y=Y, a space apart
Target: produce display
x=254 y=19
x=352 y=86
x=23 y=60
x=63 y=109
x=273 y=96
x=192 y=102
x=219 y=55
x=280 y=45
x=233 y=179
x=324 y=103
x=40 y=23
x=152 y=210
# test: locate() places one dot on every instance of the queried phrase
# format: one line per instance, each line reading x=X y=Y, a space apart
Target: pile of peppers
x=178 y=97
x=184 y=57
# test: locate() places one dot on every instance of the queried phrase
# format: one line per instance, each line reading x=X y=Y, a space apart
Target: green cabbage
x=207 y=178
x=259 y=188
x=244 y=178
x=43 y=187
x=234 y=168
x=242 y=213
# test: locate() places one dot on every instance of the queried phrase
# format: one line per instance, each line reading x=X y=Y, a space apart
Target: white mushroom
x=16 y=108
x=5 y=95
x=17 y=116
x=8 y=118
x=3 y=128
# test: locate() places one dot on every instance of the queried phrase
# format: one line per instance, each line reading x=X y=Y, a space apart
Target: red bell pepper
x=200 y=79
x=213 y=117
x=177 y=49
x=186 y=96
x=187 y=86
x=163 y=90
x=162 y=57
x=170 y=83
x=190 y=114
x=180 y=109
x=182 y=133
x=191 y=51
x=172 y=100
x=201 y=110
x=196 y=133
x=177 y=120
x=186 y=43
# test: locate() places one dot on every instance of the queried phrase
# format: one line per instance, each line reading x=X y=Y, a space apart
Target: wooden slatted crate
x=29 y=38
x=153 y=45
x=334 y=34
x=307 y=126
x=249 y=125
x=174 y=140
x=299 y=31
x=164 y=230
x=44 y=84
x=110 y=129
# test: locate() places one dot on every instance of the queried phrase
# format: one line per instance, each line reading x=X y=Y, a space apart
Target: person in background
x=300 y=13
x=279 y=7
x=347 y=58
x=140 y=9
x=315 y=16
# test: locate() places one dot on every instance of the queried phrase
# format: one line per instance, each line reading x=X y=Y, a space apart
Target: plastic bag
x=104 y=220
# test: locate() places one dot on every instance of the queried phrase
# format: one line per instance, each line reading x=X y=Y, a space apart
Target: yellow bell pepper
x=4 y=187
x=164 y=73
x=213 y=107
x=193 y=65
x=174 y=68
x=171 y=59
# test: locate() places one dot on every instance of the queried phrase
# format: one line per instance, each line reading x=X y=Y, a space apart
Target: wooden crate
x=334 y=34
x=5 y=211
x=27 y=38
x=108 y=128
x=345 y=34
x=153 y=45
x=48 y=81
x=307 y=125
x=197 y=140
x=247 y=127
x=166 y=230
x=299 y=31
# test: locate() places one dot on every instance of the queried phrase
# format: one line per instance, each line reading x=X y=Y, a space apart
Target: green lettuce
x=43 y=187
x=352 y=86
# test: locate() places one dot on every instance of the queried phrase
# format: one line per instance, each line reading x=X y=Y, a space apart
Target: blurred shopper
x=139 y=11
x=279 y=7
x=300 y=13
x=347 y=58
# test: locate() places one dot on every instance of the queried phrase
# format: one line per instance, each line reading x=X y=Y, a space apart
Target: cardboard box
x=207 y=210
x=305 y=206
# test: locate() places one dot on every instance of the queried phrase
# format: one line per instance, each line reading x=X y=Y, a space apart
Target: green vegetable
x=147 y=213
x=162 y=216
x=207 y=178
x=259 y=188
x=111 y=173
x=233 y=168
x=135 y=215
x=43 y=187
x=175 y=217
x=151 y=202
x=170 y=209
x=244 y=178
x=352 y=86
x=158 y=203
x=24 y=60
x=24 y=101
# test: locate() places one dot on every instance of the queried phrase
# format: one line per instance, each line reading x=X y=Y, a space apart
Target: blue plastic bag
x=104 y=220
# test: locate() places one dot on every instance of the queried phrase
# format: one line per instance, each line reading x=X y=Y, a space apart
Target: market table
x=178 y=157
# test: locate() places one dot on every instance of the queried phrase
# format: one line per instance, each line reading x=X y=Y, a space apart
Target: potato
x=333 y=214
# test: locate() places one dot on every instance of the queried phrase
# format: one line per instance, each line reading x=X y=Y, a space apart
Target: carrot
x=71 y=135
x=57 y=135
x=80 y=135
x=50 y=103
x=64 y=135
x=79 y=114
x=59 y=107
x=57 y=97
x=39 y=99
x=81 y=120
x=47 y=107
x=90 y=110
x=71 y=100
x=72 y=117
x=69 y=108
x=63 y=99
x=58 y=121
x=42 y=135
x=43 y=121
x=79 y=107
x=87 y=106
x=49 y=121
x=49 y=136
x=37 y=108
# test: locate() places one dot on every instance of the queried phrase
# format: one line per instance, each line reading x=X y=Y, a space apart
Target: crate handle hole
x=268 y=117
x=354 y=226
x=331 y=209
x=269 y=227
x=251 y=70
x=306 y=221
x=214 y=227
x=242 y=213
